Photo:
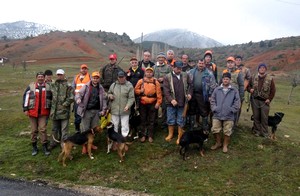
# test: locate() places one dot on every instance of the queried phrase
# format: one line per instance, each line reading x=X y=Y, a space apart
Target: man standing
x=48 y=76
x=149 y=91
x=262 y=89
x=203 y=85
x=209 y=64
x=109 y=73
x=36 y=105
x=171 y=58
x=121 y=95
x=178 y=90
x=185 y=61
x=237 y=80
x=79 y=81
x=135 y=72
x=62 y=98
x=245 y=71
x=146 y=62
x=161 y=69
x=92 y=104
x=225 y=103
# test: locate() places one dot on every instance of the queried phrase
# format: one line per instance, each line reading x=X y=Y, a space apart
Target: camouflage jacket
x=62 y=98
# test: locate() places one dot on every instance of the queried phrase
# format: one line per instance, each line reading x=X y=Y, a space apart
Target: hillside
x=56 y=47
x=282 y=54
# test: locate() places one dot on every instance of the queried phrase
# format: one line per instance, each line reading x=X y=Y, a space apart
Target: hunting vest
x=79 y=83
x=265 y=90
x=234 y=77
x=32 y=99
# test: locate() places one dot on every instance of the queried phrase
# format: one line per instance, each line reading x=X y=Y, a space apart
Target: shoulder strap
x=32 y=86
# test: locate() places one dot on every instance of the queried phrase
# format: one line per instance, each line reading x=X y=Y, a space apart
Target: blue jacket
x=208 y=82
x=224 y=106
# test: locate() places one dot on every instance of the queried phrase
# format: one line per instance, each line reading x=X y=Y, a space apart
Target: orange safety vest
x=32 y=100
x=80 y=83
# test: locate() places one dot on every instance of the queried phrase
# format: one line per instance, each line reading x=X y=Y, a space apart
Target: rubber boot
x=34 y=149
x=218 y=143
x=45 y=149
x=225 y=143
x=84 y=149
x=171 y=132
x=77 y=127
x=180 y=133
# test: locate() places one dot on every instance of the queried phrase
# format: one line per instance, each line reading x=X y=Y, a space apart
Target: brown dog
x=116 y=141
x=86 y=137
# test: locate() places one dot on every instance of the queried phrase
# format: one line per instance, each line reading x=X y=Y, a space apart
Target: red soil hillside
x=283 y=60
x=56 y=47
x=281 y=55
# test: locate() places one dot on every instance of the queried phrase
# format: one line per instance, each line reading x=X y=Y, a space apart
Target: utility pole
x=141 y=47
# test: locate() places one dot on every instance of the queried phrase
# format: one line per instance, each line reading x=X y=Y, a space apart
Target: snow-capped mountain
x=180 y=38
x=23 y=29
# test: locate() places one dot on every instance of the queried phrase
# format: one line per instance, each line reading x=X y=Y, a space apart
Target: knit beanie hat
x=262 y=65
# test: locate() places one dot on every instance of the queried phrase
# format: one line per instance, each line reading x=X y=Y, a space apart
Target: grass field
x=253 y=166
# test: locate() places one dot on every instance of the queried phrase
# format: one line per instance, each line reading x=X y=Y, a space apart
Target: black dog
x=190 y=137
x=134 y=122
x=273 y=122
x=116 y=141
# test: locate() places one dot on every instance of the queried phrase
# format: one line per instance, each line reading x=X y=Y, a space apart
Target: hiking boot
x=34 y=149
x=45 y=149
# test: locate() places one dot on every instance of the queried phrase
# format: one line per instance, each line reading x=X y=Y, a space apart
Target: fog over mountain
x=180 y=38
x=23 y=29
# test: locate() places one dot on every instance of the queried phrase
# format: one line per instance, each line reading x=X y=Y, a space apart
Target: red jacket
x=37 y=101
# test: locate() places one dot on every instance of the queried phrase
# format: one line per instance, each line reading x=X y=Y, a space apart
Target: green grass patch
x=253 y=166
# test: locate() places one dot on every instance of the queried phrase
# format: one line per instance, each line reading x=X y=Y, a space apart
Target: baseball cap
x=149 y=68
x=231 y=58
x=40 y=74
x=178 y=64
x=60 y=71
x=83 y=66
x=121 y=74
x=96 y=74
x=113 y=56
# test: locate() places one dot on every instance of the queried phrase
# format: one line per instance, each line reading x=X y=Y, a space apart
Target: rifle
x=186 y=107
x=120 y=61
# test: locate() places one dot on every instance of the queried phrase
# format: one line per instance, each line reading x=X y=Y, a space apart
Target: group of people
x=173 y=90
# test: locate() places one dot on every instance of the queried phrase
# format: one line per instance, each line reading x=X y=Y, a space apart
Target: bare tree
x=295 y=83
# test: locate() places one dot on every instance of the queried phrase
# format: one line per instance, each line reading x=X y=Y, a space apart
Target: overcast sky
x=227 y=21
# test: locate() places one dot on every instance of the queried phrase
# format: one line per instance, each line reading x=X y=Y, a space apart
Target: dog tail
x=54 y=139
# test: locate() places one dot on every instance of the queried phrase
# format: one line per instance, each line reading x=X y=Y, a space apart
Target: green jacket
x=124 y=96
x=62 y=98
